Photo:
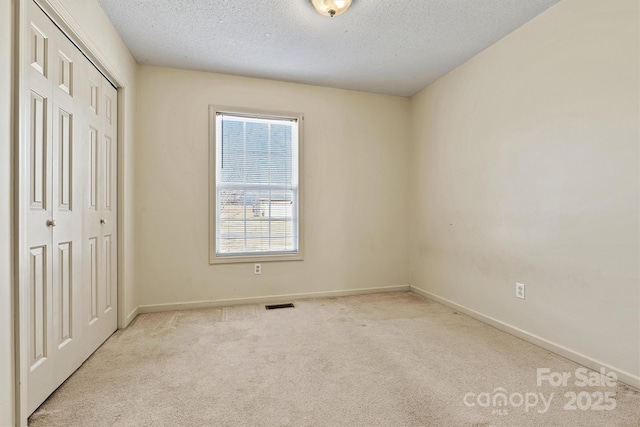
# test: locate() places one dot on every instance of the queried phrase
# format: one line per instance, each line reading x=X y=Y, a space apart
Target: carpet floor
x=394 y=359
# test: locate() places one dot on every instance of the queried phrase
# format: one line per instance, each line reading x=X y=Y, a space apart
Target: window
x=255 y=186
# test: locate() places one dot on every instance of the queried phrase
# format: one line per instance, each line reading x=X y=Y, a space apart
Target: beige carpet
x=373 y=360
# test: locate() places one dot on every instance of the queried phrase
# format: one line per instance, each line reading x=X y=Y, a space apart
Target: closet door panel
x=93 y=253
x=110 y=209
x=100 y=214
x=68 y=65
x=37 y=282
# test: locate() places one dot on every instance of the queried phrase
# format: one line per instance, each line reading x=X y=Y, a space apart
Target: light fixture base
x=331 y=8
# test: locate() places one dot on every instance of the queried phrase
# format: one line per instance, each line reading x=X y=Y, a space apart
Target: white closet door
x=66 y=196
x=68 y=170
x=100 y=228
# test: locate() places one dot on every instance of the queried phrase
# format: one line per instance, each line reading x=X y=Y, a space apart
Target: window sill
x=235 y=259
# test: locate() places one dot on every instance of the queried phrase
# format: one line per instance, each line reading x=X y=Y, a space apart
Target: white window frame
x=214 y=257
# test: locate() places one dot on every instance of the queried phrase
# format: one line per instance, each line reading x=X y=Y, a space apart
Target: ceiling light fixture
x=331 y=7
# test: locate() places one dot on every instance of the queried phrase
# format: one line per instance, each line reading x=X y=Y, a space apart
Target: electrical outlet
x=257 y=268
x=520 y=290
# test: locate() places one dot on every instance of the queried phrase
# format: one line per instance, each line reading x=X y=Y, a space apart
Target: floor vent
x=275 y=306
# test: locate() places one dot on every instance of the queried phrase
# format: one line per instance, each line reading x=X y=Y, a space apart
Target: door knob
x=103 y=221
x=51 y=223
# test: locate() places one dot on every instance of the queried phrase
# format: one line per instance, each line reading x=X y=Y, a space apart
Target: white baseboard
x=131 y=316
x=623 y=376
x=152 y=308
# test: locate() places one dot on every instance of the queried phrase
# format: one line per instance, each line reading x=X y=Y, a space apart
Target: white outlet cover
x=520 y=288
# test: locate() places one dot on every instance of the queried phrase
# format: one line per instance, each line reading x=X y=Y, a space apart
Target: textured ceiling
x=390 y=47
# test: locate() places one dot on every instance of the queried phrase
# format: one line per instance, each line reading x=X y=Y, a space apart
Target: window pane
x=257 y=153
x=232 y=151
x=231 y=246
x=231 y=204
x=257 y=244
x=232 y=229
x=279 y=245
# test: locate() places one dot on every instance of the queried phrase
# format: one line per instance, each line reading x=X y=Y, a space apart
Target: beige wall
x=355 y=177
x=525 y=169
x=6 y=306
